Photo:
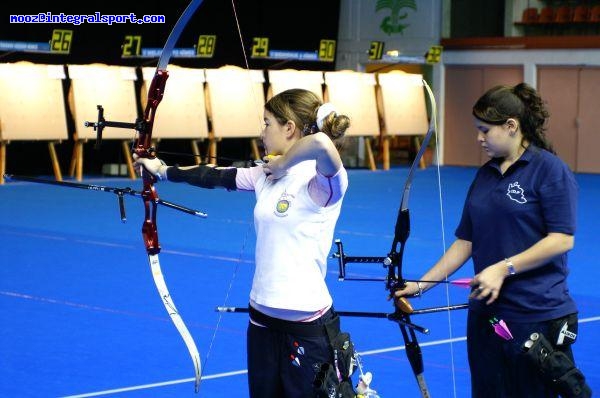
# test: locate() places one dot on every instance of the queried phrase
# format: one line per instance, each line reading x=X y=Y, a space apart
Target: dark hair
x=301 y=106
x=520 y=102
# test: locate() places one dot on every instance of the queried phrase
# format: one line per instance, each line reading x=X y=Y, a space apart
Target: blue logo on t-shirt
x=516 y=193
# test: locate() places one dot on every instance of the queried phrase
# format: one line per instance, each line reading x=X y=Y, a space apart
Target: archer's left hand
x=154 y=166
x=411 y=289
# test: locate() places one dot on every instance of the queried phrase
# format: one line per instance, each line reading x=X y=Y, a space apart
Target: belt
x=306 y=329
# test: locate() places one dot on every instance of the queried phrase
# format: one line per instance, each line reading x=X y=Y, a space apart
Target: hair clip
x=324 y=110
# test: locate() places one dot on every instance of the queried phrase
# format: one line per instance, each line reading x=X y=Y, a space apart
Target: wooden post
x=55 y=163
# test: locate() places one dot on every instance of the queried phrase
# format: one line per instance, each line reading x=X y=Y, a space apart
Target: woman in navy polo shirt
x=517 y=225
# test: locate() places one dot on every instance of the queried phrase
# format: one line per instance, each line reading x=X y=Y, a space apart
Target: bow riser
x=155 y=96
x=143 y=148
x=149 y=227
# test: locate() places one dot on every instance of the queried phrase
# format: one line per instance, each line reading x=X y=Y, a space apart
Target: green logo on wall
x=393 y=23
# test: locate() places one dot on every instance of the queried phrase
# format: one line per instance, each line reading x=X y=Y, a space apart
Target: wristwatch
x=510 y=266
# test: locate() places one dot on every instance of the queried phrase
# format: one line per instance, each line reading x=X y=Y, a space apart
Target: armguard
x=205 y=176
x=557 y=370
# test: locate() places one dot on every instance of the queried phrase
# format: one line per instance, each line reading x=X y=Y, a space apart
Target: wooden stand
x=32 y=108
x=402 y=110
x=353 y=94
x=235 y=102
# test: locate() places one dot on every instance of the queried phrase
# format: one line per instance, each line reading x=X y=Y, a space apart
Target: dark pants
x=499 y=368
x=283 y=365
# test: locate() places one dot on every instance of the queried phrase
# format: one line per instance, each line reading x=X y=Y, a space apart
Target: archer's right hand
x=154 y=166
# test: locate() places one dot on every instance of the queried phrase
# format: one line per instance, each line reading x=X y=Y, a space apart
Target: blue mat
x=81 y=316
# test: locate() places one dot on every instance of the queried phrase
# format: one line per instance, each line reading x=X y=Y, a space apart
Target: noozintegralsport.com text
x=75 y=19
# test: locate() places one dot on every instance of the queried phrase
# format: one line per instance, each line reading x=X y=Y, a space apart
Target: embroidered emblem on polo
x=283 y=204
x=516 y=193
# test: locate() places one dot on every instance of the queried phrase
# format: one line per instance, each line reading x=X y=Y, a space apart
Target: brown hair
x=520 y=102
x=301 y=106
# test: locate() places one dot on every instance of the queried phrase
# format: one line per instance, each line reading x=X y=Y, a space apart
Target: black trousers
x=284 y=365
x=499 y=368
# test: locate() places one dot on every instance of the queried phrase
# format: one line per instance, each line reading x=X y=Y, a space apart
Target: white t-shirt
x=294 y=235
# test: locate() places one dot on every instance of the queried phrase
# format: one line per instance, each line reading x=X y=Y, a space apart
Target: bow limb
x=395 y=281
x=143 y=148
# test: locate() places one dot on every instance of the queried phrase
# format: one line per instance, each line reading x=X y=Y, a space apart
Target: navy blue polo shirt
x=506 y=214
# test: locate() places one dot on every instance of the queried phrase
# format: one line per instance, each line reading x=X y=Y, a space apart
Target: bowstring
x=443 y=227
x=247 y=235
x=239 y=29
